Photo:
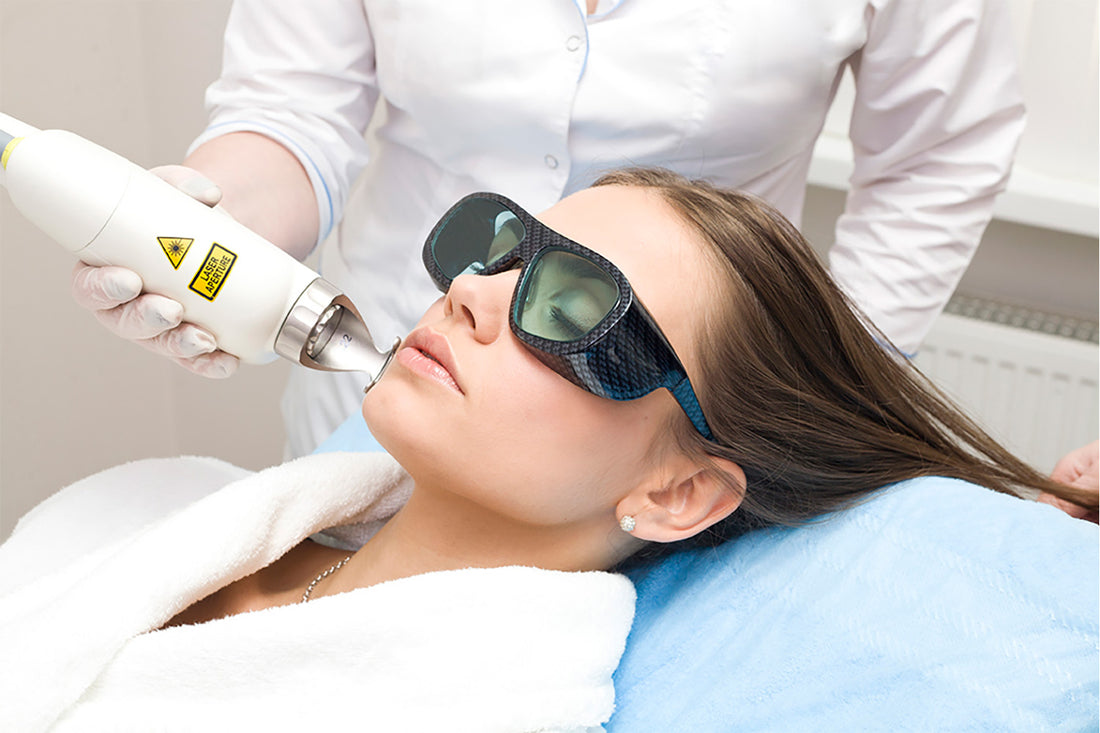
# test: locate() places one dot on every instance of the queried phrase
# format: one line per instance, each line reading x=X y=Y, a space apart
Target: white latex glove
x=1081 y=469
x=114 y=295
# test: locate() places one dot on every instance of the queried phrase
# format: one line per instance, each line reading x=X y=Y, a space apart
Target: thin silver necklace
x=322 y=576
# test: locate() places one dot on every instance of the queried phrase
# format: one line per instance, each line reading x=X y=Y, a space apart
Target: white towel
x=508 y=649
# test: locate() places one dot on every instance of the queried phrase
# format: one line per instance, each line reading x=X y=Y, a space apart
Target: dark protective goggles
x=573 y=308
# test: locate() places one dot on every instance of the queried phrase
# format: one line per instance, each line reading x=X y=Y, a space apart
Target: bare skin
x=281 y=583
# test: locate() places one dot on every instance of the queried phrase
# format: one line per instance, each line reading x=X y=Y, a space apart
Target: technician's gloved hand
x=1079 y=468
x=114 y=295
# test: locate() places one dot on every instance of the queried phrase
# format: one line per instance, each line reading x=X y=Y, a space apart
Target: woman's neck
x=438 y=531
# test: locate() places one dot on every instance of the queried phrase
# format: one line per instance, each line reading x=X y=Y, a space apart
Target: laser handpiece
x=255 y=299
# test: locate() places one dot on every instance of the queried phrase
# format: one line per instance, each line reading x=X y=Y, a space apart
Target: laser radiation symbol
x=176 y=249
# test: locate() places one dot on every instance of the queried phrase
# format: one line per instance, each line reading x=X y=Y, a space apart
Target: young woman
x=547 y=421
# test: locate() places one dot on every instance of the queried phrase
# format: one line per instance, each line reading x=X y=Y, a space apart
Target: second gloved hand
x=114 y=295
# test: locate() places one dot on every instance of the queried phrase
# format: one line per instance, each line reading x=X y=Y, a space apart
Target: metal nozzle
x=323 y=330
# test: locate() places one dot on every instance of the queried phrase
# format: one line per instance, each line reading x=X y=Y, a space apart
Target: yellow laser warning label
x=215 y=269
x=176 y=249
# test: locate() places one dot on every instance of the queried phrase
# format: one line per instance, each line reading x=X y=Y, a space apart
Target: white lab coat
x=535 y=100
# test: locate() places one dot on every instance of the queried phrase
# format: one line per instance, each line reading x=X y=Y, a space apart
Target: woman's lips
x=429 y=354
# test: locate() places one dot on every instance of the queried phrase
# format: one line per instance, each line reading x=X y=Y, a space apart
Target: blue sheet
x=935 y=606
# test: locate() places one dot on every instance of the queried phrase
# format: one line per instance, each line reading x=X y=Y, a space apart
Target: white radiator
x=1028 y=378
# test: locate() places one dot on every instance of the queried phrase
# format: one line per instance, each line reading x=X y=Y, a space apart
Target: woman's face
x=466 y=408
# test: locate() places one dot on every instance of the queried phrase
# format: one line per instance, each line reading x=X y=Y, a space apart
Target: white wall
x=130 y=73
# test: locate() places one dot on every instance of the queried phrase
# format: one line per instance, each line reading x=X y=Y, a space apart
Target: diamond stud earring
x=627 y=523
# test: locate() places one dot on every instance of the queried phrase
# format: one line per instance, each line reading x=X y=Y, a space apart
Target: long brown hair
x=799 y=390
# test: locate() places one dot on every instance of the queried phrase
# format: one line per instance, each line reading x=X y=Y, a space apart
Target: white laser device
x=255 y=299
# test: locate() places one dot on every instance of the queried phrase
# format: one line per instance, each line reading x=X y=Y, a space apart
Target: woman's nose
x=482 y=302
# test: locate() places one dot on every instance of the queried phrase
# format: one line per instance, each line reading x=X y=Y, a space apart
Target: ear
x=694 y=500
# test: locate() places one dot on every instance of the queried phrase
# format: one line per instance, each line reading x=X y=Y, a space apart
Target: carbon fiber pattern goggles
x=571 y=307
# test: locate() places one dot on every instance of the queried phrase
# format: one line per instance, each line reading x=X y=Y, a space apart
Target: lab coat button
x=574 y=42
x=551 y=162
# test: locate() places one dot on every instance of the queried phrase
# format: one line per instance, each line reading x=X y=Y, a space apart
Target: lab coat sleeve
x=937 y=117
x=302 y=74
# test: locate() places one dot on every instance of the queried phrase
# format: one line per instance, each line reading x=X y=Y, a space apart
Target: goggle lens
x=564 y=296
x=477 y=234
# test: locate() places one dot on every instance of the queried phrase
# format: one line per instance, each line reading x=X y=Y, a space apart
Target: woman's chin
x=396 y=430
x=376 y=406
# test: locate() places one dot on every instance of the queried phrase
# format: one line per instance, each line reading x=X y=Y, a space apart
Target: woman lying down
x=547 y=427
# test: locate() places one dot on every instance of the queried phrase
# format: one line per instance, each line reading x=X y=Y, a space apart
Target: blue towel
x=937 y=605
